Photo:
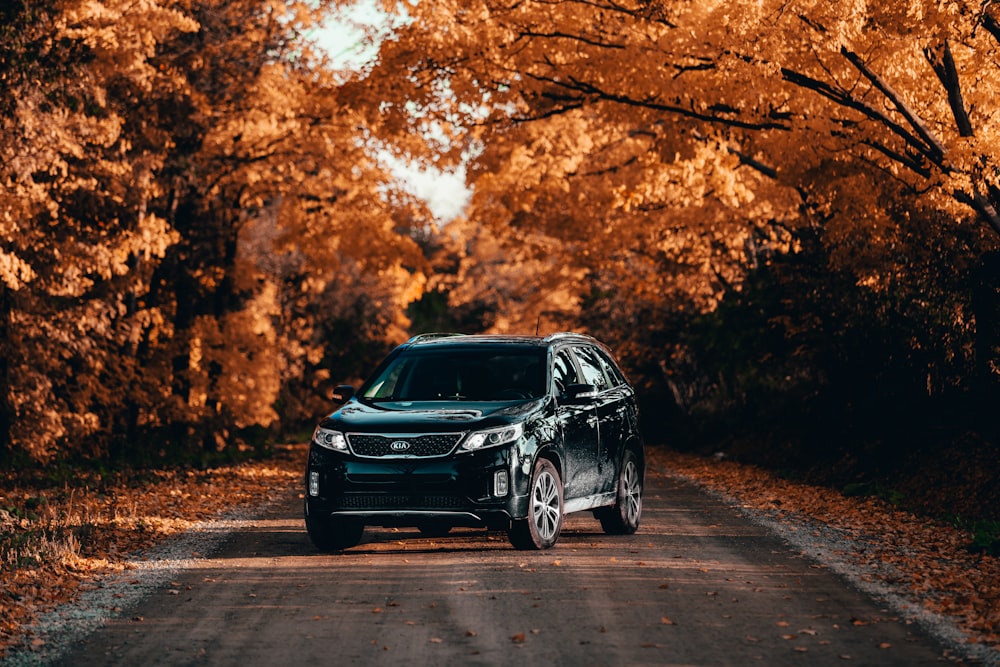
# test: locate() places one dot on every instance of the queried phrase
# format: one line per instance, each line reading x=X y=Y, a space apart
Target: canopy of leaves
x=188 y=210
x=755 y=202
x=771 y=209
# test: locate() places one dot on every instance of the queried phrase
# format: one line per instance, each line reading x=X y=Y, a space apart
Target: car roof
x=455 y=339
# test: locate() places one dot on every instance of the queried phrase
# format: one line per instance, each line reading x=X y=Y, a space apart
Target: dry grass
x=53 y=537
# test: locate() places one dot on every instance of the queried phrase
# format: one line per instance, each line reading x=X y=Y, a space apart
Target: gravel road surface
x=700 y=584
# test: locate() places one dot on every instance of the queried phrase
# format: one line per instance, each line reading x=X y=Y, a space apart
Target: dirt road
x=698 y=585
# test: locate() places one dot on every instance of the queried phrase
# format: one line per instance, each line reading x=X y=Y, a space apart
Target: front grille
x=380 y=501
x=378 y=446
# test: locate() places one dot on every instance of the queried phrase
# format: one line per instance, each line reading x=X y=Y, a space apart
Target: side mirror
x=342 y=393
x=580 y=393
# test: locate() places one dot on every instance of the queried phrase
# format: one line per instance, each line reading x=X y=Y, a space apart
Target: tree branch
x=937 y=151
x=845 y=99
x=589 y=89
x=991 y=25
x=943 y=64
x=566 y=35
x=764 y=169
x=907 y=161
x=982 y=206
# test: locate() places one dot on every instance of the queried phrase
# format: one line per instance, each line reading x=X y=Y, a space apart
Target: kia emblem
x=399 y=445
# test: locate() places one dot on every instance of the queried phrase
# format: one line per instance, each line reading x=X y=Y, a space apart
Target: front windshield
x=461 y=375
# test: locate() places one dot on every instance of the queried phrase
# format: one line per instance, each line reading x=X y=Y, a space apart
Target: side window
x=614 y=375
x=592 y=368
x=563 y=373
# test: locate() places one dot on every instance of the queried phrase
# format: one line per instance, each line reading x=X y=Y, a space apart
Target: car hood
x=418 y=416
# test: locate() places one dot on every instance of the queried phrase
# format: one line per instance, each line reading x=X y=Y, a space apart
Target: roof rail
x=431 y=336
x=563 y=334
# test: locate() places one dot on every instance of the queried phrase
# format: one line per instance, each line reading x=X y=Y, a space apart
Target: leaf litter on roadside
x=931 y=559
x=56 y=538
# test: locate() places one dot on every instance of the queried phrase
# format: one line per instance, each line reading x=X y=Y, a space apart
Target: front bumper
x=477 y=489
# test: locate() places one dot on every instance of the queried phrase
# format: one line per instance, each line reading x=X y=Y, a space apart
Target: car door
x=578 y=421
x=610 y=409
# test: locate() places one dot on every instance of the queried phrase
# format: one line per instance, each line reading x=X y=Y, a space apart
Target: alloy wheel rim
x=633 y=491
x=545 y=506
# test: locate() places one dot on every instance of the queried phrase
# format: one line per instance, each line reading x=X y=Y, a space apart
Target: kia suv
x=508 y=433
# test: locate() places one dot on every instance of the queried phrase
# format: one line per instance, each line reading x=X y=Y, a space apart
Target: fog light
x=500 y=483
x=313 y=483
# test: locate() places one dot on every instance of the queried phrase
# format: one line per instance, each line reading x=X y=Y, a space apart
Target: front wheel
x=623 y=517
x=541 y=529
x=330 y=534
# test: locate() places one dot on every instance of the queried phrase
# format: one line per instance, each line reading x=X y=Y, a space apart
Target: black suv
x=503 y=432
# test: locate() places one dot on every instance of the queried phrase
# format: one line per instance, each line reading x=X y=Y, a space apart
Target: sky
x=344 y=40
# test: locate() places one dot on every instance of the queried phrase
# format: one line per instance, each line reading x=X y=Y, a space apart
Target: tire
x=330 y=535
x=623 y=517
x=541 y=529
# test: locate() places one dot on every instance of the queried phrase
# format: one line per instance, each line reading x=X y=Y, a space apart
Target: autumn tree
x=179 y=178
x=201 y=233
x=76 y=224
x=633 y=163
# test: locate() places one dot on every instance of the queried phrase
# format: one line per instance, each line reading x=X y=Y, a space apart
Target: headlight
x=492 y=437
x=334 y=440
